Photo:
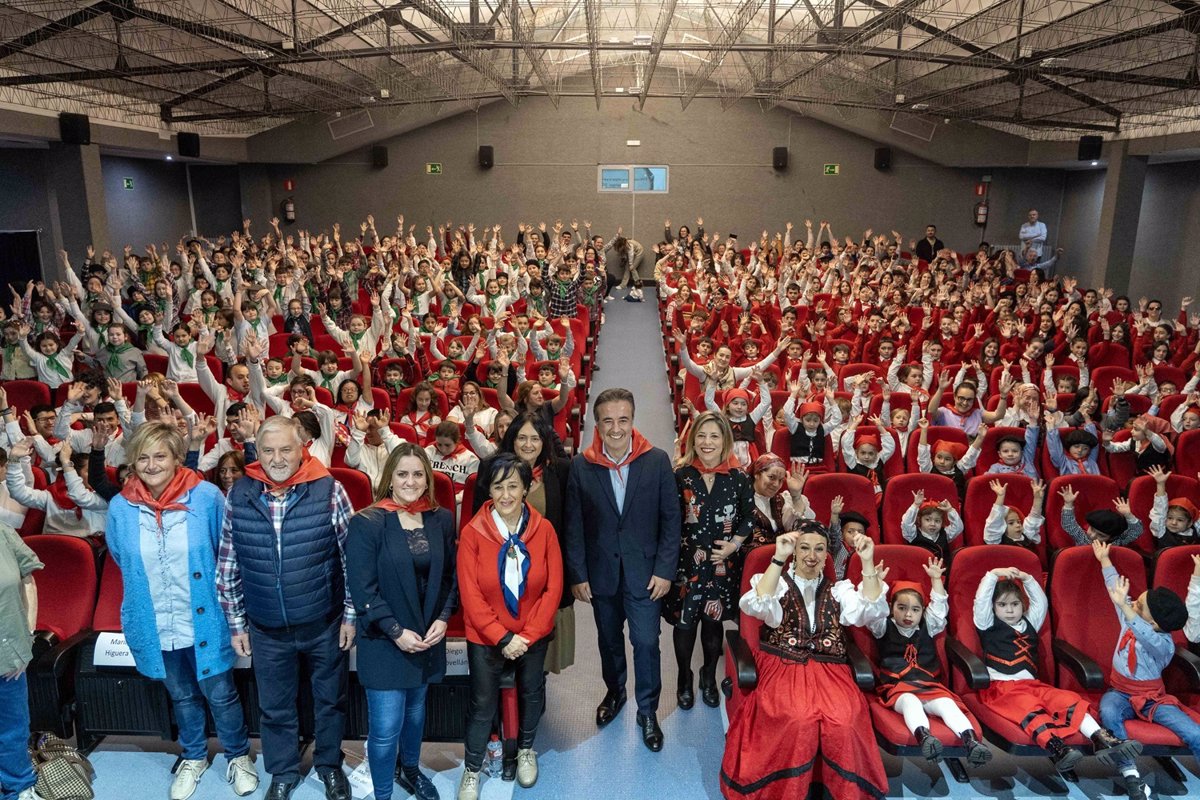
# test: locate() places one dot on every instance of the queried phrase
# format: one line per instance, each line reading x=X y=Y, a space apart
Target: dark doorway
x=20 y=257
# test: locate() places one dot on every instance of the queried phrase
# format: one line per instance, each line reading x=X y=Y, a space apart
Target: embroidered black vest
x=793 y=640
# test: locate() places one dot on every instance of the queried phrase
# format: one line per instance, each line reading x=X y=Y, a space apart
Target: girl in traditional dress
x=909 y=677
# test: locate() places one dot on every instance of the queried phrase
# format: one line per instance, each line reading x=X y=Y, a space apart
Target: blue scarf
x=513 y=565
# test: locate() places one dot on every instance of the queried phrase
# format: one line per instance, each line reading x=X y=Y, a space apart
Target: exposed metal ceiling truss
x=1039 y=68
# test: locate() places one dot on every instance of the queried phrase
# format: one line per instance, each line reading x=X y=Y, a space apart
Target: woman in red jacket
x=510 y=583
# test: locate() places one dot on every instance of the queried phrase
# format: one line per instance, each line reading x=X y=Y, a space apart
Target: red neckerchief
x=310 y=470
x=415 y=507
x=1130 y=641
x=459 y=448
x=720 y=469
x=234 y=395
x=58 y=492
x=181 y=483
x=595 y=453
x=1148 y=696
x=537 y=474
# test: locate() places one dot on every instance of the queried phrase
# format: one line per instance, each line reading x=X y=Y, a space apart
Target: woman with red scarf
x=163 y=530
x=718 y=508
x=510 y=577
x=400 y=567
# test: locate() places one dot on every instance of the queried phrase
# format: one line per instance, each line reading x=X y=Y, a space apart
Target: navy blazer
x=383 y=585
x=642 y=539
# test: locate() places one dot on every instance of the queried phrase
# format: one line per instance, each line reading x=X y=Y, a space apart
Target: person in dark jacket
x=529 y=437
x=401 y=571
x=620 y=550
x=281 y=581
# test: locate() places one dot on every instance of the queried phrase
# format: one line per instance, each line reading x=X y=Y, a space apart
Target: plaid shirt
x=229 y=571
x=561 y=297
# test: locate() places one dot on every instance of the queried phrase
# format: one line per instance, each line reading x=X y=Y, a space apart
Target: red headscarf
x=1186 y=505
x=310 y=470
x=734 y=394
x=870 y=437
x=956 y=450
x=182 y=482
x=909 y=586
x=810 y=408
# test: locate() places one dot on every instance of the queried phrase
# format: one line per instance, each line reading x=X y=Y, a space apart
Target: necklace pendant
x=512 y=552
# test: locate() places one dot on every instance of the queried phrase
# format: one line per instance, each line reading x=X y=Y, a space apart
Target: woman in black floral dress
x=718 y=501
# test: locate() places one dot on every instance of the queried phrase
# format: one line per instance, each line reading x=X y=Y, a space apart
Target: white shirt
x=856 y=609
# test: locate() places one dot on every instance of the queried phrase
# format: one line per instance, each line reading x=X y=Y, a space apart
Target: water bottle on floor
x=494 y=762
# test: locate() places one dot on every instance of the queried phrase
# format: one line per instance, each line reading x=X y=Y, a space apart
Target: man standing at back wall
x=281 y=580
x=621 y=550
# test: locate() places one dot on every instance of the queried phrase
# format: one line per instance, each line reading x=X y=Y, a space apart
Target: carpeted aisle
x=577 y=760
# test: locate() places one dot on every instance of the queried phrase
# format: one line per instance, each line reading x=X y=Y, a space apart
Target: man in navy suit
x=621 y=552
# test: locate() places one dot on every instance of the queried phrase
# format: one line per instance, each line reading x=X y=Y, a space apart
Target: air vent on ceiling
x=350 y=124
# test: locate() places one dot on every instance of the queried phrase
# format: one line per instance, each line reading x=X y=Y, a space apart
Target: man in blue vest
x=621 y=550
x=281 y=579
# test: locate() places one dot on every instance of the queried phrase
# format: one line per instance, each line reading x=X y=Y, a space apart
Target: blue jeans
x=188 y=696
x=16 y=771
x=397 y=722
x=1115 y=710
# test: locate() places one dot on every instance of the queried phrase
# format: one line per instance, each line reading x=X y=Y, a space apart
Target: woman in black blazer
x=402 y=576
x=529 y=438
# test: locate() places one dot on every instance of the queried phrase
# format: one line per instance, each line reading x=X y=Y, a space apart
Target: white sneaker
x=187 y=777
x=242 y=775
x=468 y=787
x=527 y=769
x=28 y=794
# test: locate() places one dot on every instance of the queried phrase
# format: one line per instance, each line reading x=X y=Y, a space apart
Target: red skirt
x=1040 y=710
x=804 y=724
x=924 y=690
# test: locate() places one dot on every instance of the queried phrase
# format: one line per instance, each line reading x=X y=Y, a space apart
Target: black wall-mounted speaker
x=1090 y=147
x=74 y=128
x=883 y=158
x=487 y=156
x=379 y=157
x=189 y=145
x=779 y=158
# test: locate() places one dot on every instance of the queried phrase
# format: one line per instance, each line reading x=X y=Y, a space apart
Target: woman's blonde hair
x=151 y=434
x=383 y=486
x=689 y=444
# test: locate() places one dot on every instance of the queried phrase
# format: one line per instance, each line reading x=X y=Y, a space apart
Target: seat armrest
x=864 y=676
x=743 y=660
x=1187 y=664
x=61 y=657
x=969 y=664
x=1085 y=670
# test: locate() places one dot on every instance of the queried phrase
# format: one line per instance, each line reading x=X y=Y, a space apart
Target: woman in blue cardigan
x=401 y=573
x=163 y=530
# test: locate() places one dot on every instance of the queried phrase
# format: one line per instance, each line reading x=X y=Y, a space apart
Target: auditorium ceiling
x=1043 y=69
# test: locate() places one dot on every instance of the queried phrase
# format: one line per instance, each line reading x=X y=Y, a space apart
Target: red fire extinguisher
x=289 y=210
x=981 y=212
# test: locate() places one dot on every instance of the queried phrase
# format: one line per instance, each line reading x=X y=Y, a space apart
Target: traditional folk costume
x=804 y=721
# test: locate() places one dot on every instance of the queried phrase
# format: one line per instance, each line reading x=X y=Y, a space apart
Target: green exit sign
x=127 y=183
x=433 y=168
x=833 y=169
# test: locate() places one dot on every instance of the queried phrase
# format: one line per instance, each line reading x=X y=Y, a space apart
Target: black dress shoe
x=281 y=790
x=422 y=788
x=609 y=707
x=685 y=698
x=336 y=785
x=709 y=693
x=652 y=735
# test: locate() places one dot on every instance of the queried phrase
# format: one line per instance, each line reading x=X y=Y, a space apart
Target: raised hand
x=934 y=568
